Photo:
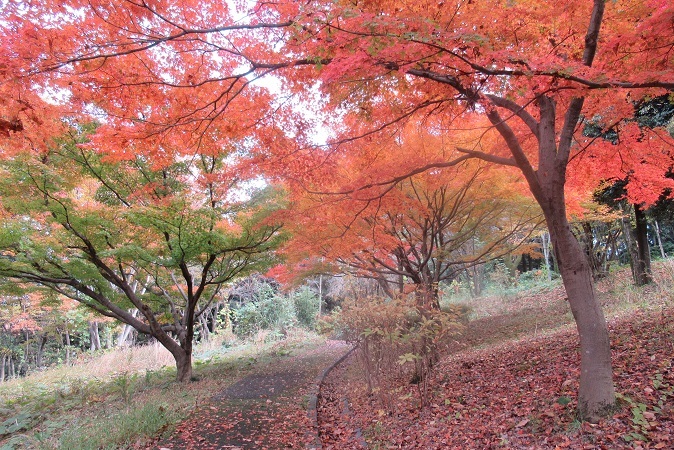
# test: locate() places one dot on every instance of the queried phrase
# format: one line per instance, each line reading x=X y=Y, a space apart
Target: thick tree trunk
x=512 y=262
x=181 y=354
x=597 y=393
x=427 y=296
x=183 y=366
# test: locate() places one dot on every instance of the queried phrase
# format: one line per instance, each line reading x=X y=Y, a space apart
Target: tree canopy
x=123 y=237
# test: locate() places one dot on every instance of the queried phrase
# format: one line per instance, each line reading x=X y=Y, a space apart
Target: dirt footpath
x=267 y=409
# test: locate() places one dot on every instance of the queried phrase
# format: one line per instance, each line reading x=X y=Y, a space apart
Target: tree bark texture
x=597 y=393
x=183 y=366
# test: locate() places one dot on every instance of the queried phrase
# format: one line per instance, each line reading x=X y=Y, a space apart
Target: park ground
x=509 y=381
x=512 y=377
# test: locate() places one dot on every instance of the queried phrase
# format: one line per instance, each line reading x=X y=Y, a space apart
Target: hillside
x=512 y=379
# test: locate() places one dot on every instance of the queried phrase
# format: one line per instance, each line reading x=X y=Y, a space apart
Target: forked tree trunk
x=182 y=356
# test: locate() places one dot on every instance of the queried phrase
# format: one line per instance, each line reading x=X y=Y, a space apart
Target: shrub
x=394 y=338
x=270 y=311
x=306 y=307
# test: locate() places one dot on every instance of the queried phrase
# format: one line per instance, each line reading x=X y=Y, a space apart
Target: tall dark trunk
x=67 y=345
x=42 y=342
x=597 y=393
x=643 y=273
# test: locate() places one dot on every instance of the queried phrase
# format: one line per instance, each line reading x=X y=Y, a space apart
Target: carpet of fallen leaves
x=513 y=385
x=267 y=409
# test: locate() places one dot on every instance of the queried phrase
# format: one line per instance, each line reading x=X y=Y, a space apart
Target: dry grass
x=102 y=367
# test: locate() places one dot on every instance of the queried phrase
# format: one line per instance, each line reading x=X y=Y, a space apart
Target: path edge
x=313 y=439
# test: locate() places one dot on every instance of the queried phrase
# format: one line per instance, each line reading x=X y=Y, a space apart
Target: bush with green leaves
x=306 y=304
x=269 y=311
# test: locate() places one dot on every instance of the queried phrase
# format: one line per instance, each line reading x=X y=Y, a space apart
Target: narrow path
x=267 y=409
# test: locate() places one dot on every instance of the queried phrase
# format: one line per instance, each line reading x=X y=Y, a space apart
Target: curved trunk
x=182 y=355
x=596 y=396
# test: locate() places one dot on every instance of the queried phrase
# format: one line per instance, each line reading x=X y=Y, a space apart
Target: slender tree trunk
x=636 y=239
x=203 y=322
x=94 y=337
x=545 y=237
x=67 y=346
x=657 y=235
x=320 y=294
x=2 y=368
x=127 y=331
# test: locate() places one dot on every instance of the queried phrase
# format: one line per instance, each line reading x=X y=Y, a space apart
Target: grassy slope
x=512 y=380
